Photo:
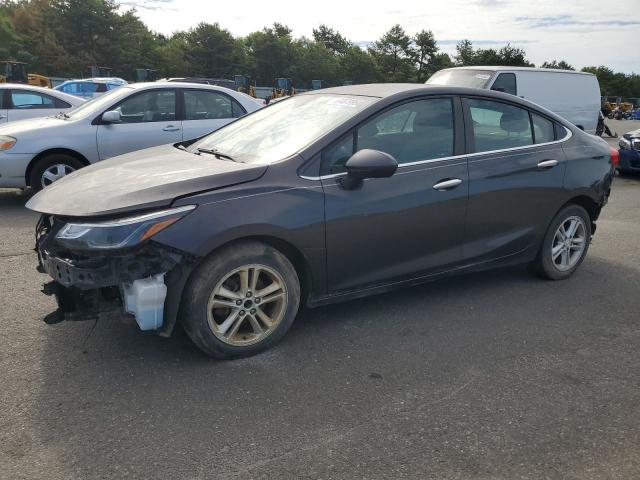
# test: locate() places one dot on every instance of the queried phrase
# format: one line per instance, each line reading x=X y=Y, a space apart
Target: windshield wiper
x=215 y=152
x=62 y=115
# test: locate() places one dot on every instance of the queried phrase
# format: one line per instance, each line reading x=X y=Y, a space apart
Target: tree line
x=65 y=37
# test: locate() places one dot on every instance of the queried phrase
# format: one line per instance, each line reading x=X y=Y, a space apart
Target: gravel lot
x=494 y=375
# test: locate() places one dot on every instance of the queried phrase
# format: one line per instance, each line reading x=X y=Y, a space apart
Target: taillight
x=615 y=157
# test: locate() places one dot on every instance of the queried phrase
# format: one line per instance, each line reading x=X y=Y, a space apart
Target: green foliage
x=426 y=50
x=618 y=84
x=506 y=56
x=395 y=55
x=65 y=37
x=331 y=39
x=561 y=65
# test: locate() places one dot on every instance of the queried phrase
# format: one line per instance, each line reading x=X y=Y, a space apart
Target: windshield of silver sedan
x=283 y=128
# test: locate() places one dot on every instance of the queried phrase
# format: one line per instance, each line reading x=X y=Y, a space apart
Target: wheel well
x=293 y=254
x=53 y=151
x=592 y=207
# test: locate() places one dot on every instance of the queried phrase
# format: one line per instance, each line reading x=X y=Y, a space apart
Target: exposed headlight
x=636 y=143
x=6 y=142
x=120 y=233
x=624 y=143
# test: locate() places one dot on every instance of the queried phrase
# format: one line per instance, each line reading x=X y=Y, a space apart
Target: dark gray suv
x=323 y=197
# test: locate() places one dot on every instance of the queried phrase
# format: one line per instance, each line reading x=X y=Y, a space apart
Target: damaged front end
x=113 y=267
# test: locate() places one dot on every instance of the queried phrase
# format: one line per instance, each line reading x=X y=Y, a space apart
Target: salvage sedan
x=323 y=197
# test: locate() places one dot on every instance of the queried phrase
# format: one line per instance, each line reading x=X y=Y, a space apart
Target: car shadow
x=113 y=400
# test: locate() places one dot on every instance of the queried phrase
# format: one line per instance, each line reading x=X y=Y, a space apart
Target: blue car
x=90 y=87
x=630 y=152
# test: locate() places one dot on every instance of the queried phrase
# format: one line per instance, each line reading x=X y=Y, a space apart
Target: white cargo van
x=572 y=95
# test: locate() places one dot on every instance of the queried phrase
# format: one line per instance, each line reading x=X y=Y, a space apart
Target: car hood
x=633 y=134
x=30 y=125
x=149 y=178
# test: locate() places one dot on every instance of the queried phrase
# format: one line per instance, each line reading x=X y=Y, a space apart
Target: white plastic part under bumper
x=144 y=299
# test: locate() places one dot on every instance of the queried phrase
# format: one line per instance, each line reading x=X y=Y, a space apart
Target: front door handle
x=547 y=164
x=171 y=128
x=447 y=184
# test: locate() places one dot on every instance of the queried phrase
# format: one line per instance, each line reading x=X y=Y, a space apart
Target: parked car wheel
x=240 y=300
x=51 y=168
x=565 y=244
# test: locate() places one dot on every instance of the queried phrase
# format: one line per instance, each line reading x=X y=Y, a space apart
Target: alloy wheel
x=569 y=243
x=247 y=305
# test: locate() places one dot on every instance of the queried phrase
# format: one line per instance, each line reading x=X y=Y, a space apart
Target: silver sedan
x=38 y=152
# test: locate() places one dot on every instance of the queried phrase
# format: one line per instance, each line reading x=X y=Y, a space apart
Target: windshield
x=461 y=78
x=284 y=128
x=98 y=104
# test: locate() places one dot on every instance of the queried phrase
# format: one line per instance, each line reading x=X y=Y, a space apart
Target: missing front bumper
x=145 y=282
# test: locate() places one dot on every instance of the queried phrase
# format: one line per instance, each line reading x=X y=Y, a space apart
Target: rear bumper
x=13 y=168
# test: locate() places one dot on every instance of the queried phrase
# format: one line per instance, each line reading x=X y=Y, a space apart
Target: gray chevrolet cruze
x=323 y=197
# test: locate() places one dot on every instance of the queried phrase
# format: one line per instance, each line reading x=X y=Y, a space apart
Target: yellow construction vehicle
x=16 y=72
x=283 y=88
x=243 y=84
x=13 y=72
x=39 y=80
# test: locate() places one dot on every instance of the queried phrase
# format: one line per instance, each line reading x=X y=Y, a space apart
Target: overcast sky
x=582 y=32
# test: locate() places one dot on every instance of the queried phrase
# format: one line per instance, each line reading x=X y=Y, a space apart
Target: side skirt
x=523 y=256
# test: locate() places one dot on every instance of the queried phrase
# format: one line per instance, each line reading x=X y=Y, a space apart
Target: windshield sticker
x=482 y=76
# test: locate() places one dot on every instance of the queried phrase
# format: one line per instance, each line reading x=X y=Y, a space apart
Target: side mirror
x=112 y=116
x=368 y=164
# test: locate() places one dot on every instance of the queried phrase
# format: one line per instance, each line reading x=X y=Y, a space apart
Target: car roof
x=47 y=91
x=384 y=90
x=96 y=80
x=164 y=83
x=518 y=69
x=379 y=90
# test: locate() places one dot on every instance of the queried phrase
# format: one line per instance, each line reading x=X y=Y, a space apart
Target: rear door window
x=506 y=82
x=498 y=126
x=24 y=100
x=207 y=105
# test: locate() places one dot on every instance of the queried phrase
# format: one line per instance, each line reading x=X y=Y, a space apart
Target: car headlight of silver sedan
x=6 y=142
x=119 y=233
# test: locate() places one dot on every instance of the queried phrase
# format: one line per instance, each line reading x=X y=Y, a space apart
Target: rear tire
x=52 y=167
x=565 y=244
x=240 y=300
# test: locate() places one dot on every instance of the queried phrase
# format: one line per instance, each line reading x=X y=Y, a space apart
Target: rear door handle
x=547 y=164
x=2 y=116
x=171 y=128
x=447 y=184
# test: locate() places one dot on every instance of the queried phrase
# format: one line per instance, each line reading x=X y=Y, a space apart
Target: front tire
x=51 y=168
x=240 y=300
x=565 y=244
